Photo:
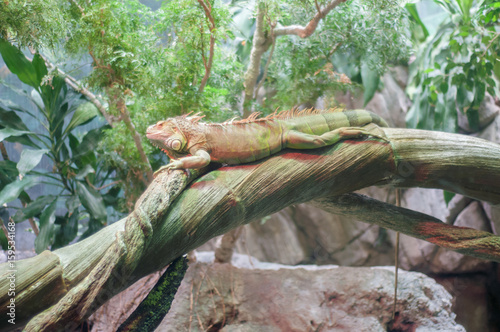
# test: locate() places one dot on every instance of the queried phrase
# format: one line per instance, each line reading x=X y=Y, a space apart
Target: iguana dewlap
x=193 y=144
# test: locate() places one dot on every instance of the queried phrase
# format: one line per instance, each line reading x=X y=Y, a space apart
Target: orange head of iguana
x=176 y=136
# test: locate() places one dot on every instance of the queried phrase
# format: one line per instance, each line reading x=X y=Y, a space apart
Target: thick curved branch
x=169 y=221
x=467 y=241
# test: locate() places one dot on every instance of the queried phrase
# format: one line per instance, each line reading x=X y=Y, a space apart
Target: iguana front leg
x=201 y=158
x=298 y=140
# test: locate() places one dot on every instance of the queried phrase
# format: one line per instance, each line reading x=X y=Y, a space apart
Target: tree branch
x=264 y=75
x=75 y=85
x=260 y=45
x=125 y=115
x=262 y=41
x=169 y=221
x=308 y=30
x=208 y=66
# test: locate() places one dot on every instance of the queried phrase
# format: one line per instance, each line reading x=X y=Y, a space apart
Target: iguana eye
x=174 y=144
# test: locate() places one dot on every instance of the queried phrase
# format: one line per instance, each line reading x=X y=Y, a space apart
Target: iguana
x=193 y=144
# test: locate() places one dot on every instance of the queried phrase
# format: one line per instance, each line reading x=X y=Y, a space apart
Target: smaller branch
x=224 y=252
x=34 y=227
x=3 y=150
x=203 y=58
x=264 y=75
x=102 y=187
x=318 y=8
x=208 y=66
x=125 y=115
x=78 y=6
x=464 y=240
x=334 y=49
x=260 y=45
x=491 y=42
x=308 y=30
x=75 y=85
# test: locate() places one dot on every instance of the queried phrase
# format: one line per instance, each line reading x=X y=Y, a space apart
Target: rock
x=492 y=132
x=428 y=201
x=114 y=312
x=305 y=234
x=471 y=299
x=487 y=111
x=400 y=75
x=274 y=297
x=340 y=240
x=272 y=239
x=493 y=214
x=391 y=103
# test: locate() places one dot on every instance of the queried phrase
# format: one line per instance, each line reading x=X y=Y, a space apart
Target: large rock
x=305 y=234
x=253 y=296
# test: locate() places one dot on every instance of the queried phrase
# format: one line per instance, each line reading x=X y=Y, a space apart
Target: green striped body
x=244 y=142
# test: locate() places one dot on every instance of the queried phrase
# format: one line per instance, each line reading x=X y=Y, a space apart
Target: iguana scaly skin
x=193 y=144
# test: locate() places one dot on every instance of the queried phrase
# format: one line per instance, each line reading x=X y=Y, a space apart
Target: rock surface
x=248 y=295
x=253 y=296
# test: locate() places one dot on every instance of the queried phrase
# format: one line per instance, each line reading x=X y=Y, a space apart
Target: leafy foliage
x=22 y=21
x=349 y=40
x=74 y=160
x=456 y=65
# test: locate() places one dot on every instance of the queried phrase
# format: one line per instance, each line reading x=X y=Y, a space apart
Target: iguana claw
x=174 y=164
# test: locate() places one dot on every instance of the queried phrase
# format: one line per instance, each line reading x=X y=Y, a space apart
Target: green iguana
x=193 y=144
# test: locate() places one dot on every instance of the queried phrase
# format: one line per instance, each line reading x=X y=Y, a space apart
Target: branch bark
x=208 y=66
x=260 y=45
x=169 y=221
x=125 y=115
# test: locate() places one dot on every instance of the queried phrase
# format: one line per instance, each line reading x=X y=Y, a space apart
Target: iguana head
x=176 y=136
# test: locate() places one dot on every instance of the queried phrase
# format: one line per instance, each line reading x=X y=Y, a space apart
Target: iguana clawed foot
x=174 y=164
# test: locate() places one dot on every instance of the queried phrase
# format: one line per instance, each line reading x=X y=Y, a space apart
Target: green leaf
x=46 y=236
x=448 y=196
x=68 y=230
x=8 y=132
x=40 y=67
x=34 y=208
x=29 y=160
x=8 y=171
x=84 y=172
x=89 y=142
x=371 y=80
x=93 y=227
x=18 y=64
x=92 y=201
x=84 y=113
x=10 y=119
x=412 y=9
x=23 y=139
x=12 y=191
